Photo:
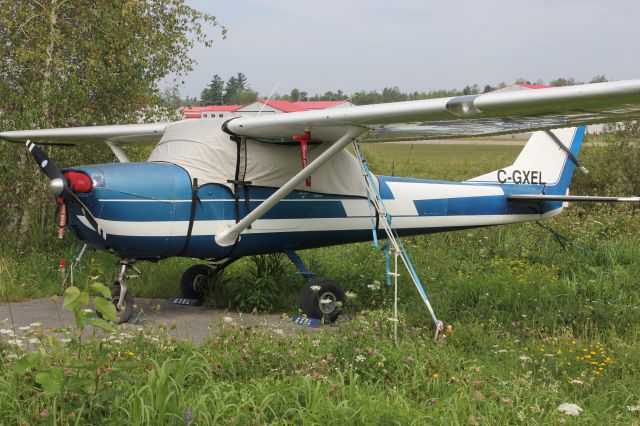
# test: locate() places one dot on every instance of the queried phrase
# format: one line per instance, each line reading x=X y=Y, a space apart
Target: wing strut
x=399 y=251
x=229 y=236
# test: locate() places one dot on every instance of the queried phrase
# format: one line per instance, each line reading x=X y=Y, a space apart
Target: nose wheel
x=121 y=296
x=124 y=310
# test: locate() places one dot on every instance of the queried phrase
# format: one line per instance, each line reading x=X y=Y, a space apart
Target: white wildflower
x=325 y=301
x=12 y=356
x=89 y=311
x=65 y=340
x=316 y=343
x=375 y=286
x=501 y=351
x=350 y=295
x=576 y=382
x=633 y=408
x=34 y=341
x=524 y=358
x=35 y=324
x=15 y=342
x=227 y=319
x=569 y=409
x=315 y=288
x=24 y=327
x=360 y=358
x=392 y=319
x=7 y=332
x=140 y=329
x=279 y=331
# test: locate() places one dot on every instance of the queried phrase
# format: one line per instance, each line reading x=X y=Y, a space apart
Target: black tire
x=195 y=282
x=123 y=314
x=310 y=299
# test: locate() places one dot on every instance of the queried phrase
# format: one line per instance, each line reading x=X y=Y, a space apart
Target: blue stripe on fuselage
x=217 y=203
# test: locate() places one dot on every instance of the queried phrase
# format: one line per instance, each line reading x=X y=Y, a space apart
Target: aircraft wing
x=500 y=112
x=145 y=134
x=493 y=113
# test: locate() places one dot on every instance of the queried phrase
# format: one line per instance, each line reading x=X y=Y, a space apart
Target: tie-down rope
x=393 y=240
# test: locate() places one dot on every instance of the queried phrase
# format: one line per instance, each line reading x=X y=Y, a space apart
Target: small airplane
x=219 y=190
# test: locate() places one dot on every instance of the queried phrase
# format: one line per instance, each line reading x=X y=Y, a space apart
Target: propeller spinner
x=59 y=186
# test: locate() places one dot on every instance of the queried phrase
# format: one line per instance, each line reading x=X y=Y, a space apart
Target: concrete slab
x=194 y=323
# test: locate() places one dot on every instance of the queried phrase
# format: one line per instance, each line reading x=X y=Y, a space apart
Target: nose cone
x=56 y=186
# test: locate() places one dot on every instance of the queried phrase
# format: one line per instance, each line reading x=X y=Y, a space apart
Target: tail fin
x=548 y=158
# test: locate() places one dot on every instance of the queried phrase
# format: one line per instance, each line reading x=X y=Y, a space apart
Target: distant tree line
x=236 y=90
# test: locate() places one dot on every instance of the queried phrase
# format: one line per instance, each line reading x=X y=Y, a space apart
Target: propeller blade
x=47 y=166
x=69 y=195
x=58 y=185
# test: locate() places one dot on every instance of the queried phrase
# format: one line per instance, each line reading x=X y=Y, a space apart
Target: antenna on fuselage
x=268 y=99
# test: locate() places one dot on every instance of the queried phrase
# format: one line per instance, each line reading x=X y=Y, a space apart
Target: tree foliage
x=213 y=94
x=83 y=62
x=296 y=95
x=562 y=81
x=237 y=91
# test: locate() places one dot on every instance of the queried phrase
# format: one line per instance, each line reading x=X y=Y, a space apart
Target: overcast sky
x=416 y=44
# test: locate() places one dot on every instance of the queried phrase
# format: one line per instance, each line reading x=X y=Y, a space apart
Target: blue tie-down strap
x=387 y=257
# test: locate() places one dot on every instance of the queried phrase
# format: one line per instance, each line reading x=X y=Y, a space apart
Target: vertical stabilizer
x=548 y=158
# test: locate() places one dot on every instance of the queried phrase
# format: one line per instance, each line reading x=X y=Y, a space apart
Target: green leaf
x=51 y=381
x=106 y=308
x=74 y=298
x=28 y=361
x=101 y=289
x=102 y=324
x=71 y=298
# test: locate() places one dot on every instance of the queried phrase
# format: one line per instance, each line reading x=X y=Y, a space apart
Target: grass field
x=534 y=327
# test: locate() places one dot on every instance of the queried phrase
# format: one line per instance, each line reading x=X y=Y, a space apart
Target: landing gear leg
x=120 y=294
x=321 y=297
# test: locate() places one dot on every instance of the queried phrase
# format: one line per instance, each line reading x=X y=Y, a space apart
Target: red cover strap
x=304 y=141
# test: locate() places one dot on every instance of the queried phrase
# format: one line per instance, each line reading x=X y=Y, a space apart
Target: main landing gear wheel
x=125 y=312
x=322 y=298
x=194 y=283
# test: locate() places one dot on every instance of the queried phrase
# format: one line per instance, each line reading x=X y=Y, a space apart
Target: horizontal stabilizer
x=563 y=198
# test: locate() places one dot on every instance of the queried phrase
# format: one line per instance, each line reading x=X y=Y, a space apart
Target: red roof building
x=311 y=105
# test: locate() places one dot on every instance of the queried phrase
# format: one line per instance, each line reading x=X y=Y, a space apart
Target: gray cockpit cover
x=208 y=154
